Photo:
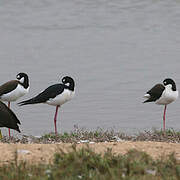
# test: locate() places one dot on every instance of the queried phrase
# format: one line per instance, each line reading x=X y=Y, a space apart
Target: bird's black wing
x=8 y=118
x=155 y=93
x=8 y=87
x=49 y=93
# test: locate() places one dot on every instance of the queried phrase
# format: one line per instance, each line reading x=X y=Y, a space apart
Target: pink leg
x=9 y=129
x=55 y=117
x=164 y=118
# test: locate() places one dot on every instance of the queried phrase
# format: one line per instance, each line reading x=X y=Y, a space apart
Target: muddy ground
x=44 y=153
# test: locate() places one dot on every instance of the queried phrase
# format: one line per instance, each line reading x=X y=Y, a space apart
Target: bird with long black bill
x=8 y=118
x=54 y=95
x=163 y=94
x=14 y=89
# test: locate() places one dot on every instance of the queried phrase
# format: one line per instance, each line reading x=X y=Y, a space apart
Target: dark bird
x=8 y=118
x=55 y=95
x=14 y=89
x=163 y=94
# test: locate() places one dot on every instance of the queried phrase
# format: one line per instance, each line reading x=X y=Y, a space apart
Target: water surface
x=115 y=50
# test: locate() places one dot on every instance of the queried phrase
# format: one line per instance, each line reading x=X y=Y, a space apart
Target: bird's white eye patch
x=18 y=77
x=67 y=84
x=169 y=86
x=22 y=80
x=165 y=83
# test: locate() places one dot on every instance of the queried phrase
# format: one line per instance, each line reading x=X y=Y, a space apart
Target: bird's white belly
x=15 y=94
x=62 y=98
x=167 y=97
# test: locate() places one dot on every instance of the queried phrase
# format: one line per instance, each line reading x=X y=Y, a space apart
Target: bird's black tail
x=151 y=99
x=148 y=98
x=147 y=101
x=13 y=124
x=35 y=100
x=17 y=128
x=29 y=101
x=8 y=118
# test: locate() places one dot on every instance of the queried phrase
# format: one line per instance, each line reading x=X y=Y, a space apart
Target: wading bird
x=163 y=94
x=14 y=89
x=55 y=95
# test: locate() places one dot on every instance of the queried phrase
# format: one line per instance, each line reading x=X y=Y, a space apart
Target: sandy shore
x=43 y=153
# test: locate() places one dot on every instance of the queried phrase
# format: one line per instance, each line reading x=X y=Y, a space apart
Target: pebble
x=23 y=151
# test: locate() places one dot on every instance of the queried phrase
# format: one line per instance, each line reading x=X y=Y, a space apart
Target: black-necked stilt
x=8 y=118
x=14 y=89
x=55 y=95
x=163 y=94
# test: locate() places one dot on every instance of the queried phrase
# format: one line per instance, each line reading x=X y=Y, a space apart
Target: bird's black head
x=69 y=82
x=23 y=79
x=169 y=81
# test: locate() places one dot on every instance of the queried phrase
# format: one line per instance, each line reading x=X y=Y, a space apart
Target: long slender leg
x=9 y=129
x=55 y=117
x=164 y=118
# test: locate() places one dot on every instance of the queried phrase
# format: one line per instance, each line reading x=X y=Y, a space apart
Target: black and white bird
x=8 y=118
x=14 y=89
x=163 y=94
x=54 y=95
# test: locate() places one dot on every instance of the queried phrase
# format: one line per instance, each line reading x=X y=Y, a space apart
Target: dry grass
x=84 y=163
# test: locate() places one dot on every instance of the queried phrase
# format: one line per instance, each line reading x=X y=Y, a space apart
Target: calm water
x=115 y=50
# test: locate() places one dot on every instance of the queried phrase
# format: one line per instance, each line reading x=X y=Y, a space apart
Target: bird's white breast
x=168 y=96
x=61 y=98
x=15 y=94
